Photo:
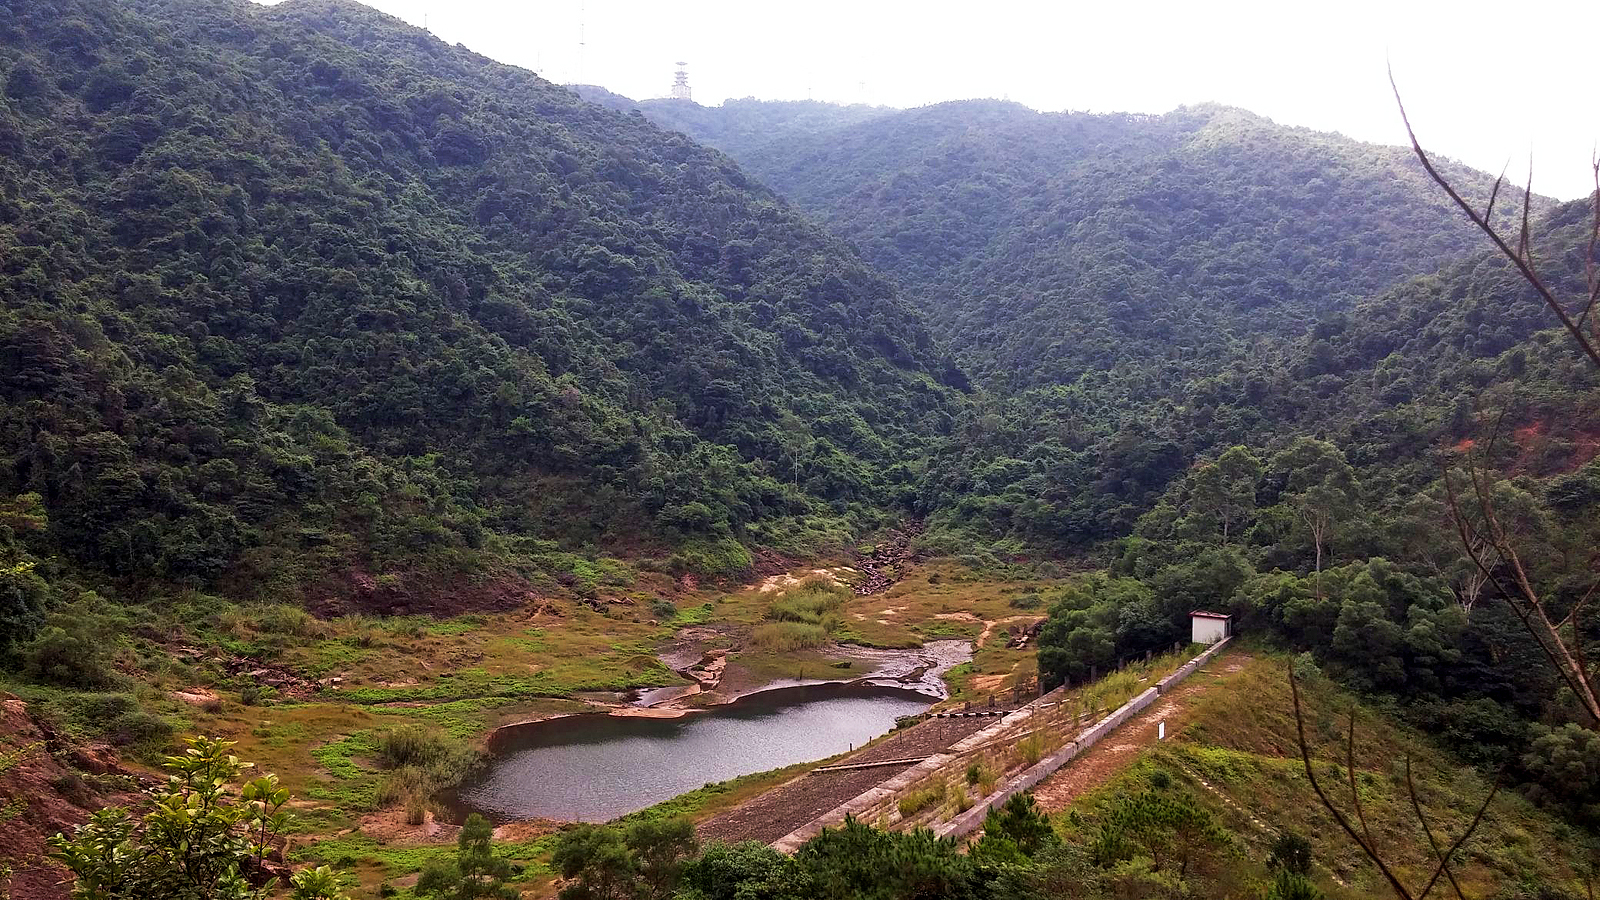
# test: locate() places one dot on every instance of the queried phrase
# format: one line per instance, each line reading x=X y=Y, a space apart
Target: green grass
x=374 y=862
x=784 y=637
x=918 y=799
x=1240 y=740
x=634 y=672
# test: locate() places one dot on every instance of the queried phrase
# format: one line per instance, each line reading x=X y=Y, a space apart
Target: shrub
x=202 y=831
x=815 y=601
x=416 y=810
x=103 y=708
x=292 y=621
x=719 y=558
x=1026 y=601
x=1291 y=886
x=919 y=799
x=253 y=694
x=1031 y=748
x=74 y=650
x=803 y=616
x=422 y=761
x=138 y=728
x=1290 y=853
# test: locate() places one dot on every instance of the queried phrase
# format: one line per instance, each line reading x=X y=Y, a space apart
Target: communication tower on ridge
x=680 y=83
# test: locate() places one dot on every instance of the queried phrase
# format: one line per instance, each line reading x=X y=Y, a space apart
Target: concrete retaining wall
x=870 y=805
x=969 y=821
x=883 y=801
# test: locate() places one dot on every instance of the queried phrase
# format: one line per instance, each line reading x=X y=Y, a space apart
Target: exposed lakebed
x=593 y=768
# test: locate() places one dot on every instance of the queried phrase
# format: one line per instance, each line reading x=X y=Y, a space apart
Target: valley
x=423 y=479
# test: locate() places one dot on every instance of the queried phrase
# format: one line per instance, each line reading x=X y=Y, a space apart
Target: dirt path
x=990 y=625
x=1117 y=750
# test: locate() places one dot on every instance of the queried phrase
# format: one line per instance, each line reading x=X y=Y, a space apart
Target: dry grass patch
x=1238 y=757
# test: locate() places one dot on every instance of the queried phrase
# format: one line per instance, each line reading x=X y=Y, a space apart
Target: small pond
x=593 y=768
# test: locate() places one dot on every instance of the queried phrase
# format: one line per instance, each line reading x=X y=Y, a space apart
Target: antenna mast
x=680 y=83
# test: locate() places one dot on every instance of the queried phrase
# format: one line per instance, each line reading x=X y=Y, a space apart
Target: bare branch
x=1444 y=861
x=1488 y=212
x=1522 y=262
x=1350 y=773
x=1527 y=201
x=1311 y=775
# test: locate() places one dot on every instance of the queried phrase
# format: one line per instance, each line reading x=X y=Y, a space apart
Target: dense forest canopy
x=1136 y=292
x=1045 y=245
x=303 y=281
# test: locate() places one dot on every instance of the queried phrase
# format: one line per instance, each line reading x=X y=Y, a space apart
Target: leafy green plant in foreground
x=200 y=841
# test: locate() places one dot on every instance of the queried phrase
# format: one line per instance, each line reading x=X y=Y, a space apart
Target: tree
x=659 y=847
x=1564 y=767
x=1016 y=828
x=1319 y=486
x=1080 y=634
x=200 y=841
x=1223 y=494
x=596 y=862
x=644 y=861
x=748 y=870
x=1291 y=852
x=1287 y=885
x=859 y=862
x=475 y=873
x=1420 y=534
x=1169 y=830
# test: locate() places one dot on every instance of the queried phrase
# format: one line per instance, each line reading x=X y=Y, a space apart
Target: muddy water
x=593 y=768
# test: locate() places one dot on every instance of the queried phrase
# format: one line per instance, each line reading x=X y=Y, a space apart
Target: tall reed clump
x=783 y=637
x=802 y=617
x=421 y=761
x=1031 y=748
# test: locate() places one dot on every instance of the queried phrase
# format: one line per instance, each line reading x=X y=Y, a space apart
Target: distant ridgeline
x=298 y=288
x=1138 y=292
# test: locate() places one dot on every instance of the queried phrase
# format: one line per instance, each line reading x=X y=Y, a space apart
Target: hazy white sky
x=1485 y=82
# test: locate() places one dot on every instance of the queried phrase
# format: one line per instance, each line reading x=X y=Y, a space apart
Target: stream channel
x=593 y=768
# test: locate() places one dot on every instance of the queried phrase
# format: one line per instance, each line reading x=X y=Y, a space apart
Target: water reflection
x=594 y=768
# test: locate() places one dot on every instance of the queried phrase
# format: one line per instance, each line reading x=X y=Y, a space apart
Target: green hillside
x=1047 y=245
x=297 y=289
x=1130 y=292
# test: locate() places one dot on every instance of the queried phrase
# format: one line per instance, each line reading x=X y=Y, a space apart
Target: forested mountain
x=1394 y=381
x=1050 y=244
x=296 y=288
x=1132 y=291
